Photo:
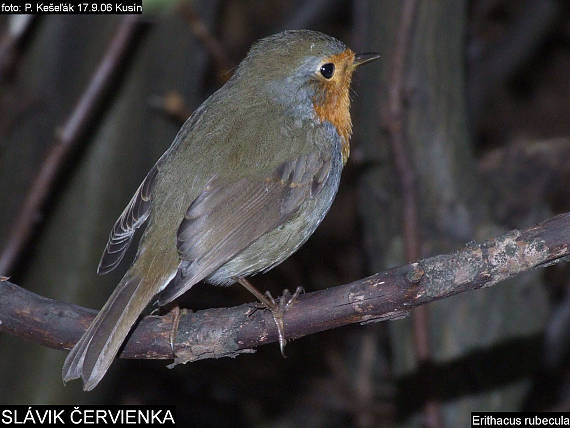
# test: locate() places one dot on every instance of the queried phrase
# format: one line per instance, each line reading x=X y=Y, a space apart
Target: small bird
x=247 y=180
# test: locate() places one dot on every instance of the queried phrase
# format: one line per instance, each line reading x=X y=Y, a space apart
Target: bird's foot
x=278 y=307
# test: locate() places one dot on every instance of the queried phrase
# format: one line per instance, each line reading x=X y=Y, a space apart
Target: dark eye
x=327 y=70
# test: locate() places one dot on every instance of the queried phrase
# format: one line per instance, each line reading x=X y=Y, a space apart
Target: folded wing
x=228 y=216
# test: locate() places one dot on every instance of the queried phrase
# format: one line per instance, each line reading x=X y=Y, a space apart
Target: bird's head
x=307 y=72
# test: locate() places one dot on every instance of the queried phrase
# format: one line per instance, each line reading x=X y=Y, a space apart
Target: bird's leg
x=277 y=309
x=269 y=302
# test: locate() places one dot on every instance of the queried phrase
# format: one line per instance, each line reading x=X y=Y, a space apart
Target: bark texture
x=227 y=332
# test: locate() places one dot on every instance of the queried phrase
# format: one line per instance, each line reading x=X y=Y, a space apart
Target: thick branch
x=226 y=332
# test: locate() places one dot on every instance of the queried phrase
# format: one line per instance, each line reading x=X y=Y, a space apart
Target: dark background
x=488 y=133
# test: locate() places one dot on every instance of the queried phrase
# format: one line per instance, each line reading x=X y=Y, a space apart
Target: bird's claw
x=287 y=299
x=278 y=309
x=254 y=307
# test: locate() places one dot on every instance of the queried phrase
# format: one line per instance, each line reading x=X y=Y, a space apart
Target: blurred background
x=487 y=131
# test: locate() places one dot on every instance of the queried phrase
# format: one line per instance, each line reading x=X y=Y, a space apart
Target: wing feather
x=228 y=216
x=133 y=216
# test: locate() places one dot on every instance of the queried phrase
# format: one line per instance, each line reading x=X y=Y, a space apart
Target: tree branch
x=19 y=27
x=407 y=177
x=67 y=139
x=226 y=332
x=214 y=47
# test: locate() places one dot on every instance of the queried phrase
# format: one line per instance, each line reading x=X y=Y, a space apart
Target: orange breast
x=334 y=102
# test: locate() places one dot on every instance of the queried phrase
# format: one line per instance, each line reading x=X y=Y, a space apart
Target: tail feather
x=92 y=355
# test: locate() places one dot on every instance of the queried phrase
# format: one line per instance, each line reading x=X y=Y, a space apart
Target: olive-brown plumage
x=246 y=181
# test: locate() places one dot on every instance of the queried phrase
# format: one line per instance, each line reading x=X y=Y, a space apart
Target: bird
x=246 y=181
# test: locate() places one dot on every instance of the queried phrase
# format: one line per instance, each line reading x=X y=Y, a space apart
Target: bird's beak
x=363 y=58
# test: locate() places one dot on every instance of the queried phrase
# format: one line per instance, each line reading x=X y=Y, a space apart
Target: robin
x=247 y=180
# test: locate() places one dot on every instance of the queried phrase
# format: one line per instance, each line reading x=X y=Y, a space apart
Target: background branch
x=209 y=41
x=19 y=28
x=223 y=332
x=407 y=178
x=67 y=138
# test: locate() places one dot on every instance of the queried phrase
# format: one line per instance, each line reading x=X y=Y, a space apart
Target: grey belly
x=277 y=245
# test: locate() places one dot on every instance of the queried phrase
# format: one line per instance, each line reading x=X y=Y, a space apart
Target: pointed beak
x=363 y=58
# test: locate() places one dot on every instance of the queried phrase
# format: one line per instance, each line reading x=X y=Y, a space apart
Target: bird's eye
x=327 y=70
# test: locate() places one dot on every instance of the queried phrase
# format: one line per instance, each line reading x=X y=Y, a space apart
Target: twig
x=226 y=332
x=406 y=174
x=19 y=28
x=66 y=140
x=395 y=127
x=211 y=43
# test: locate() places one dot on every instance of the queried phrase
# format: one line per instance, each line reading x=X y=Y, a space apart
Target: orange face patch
x=333 y=102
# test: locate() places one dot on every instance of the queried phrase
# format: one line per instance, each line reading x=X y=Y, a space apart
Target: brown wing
x=228 y=216
x=132 y=217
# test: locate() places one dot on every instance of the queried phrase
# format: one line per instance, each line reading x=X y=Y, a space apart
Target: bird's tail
x=92 y=355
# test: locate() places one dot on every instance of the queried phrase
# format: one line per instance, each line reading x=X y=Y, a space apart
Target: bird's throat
x=338 y=115
x=332 y=104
